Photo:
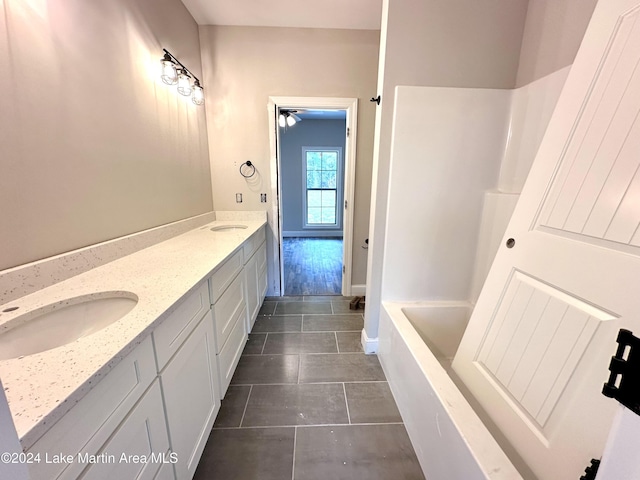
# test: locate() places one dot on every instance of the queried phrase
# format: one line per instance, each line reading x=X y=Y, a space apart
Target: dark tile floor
x=305 y=403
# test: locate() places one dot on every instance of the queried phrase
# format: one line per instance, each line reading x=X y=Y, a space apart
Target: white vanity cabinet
x=150 y=416
x=139 y=447
x=187 y=367
x=89 y=425
x=229 y=305
x=190 y=387
x=255 y=271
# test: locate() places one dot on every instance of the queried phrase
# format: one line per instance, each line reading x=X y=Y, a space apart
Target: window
x=321 y=168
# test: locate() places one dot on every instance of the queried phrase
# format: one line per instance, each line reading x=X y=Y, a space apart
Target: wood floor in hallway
x=312 y=266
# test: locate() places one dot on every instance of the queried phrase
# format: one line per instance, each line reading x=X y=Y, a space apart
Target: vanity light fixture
x=175 y=72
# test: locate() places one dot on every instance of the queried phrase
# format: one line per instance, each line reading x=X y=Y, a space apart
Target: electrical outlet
x=238 y=198
x=263 y=198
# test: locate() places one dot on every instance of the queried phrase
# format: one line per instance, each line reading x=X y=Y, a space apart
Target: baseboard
x=358 y=290
x=369 y=345
x=313 y=233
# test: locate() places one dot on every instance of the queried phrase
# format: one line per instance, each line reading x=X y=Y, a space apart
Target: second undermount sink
x=63 y=322
x=227 y=228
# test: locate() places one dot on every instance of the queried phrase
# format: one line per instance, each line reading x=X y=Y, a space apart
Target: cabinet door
x=251 y=274
x=192 y=398
x=138 y=448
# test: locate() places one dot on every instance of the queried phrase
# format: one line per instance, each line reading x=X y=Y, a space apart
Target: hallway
x=305 y=402
x=312 y=266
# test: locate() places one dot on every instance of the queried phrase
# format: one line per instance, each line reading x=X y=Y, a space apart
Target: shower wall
x=459 y=158
x=447 y=146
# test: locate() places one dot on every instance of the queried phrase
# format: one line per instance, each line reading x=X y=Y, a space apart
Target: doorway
x=313 y=161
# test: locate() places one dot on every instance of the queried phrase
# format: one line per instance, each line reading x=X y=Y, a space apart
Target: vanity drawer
x=224 y=275
x=252 y=244
x=228 y=309
x=90 y=423
x=230 y=354
x=179 y=324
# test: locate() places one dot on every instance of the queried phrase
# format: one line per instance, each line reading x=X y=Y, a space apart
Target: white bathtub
x=417 y=342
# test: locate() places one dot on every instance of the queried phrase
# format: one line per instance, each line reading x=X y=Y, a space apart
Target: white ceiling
x=351 y=14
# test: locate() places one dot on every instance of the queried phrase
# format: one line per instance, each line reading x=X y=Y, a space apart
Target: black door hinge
x=624 y=380
x=376 y=99
x=591 y=470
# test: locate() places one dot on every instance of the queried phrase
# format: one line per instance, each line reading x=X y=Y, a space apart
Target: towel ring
x=248 y=172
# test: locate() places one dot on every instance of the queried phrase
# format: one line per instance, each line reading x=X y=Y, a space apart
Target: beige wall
x=243 y=66
x=552 y=35
x=445 y=43
x=94 y=145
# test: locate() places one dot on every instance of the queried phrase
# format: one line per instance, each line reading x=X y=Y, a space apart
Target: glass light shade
x=184 y=85
x=169 y=74
x=197 y=96
x=291 y=121
x=282 y=121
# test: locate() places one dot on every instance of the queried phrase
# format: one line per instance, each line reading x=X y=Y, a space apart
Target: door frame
x=350 y=105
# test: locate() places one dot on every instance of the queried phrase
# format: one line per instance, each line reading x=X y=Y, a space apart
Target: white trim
x=275 y=221
x=312 y=233
x=358 y=290
x=369 y=345
x=339 y=191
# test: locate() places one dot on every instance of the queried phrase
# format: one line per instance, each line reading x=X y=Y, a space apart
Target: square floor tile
x=285 y=298
x=349 y=342
x=232 y=407
x=323 y=342
x=371 y=403
x=266 y=369
x=254 y=344
x=320 y=298
x=278 y=323
x=344 y=367
x=282 y=405
x=300 y=308
x=342 y=306
x=267 y=308
x=332 y=323
x=247 y=454
x=371 y=452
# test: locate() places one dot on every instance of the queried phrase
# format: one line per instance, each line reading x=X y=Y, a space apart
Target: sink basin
x=63 y=322
x=227 y=228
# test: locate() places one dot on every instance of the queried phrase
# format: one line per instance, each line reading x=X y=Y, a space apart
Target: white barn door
x=537 y=349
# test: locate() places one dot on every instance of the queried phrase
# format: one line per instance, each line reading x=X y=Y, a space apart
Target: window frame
x=339 y=189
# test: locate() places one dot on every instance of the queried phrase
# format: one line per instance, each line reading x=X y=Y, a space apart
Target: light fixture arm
x=180 y=63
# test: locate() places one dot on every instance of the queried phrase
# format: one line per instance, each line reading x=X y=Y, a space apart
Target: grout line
x=328 y=382
x=295 y=440
x=310 y=426
x=337 y=345
x=246 y=405
x=346 y=402
x=264 y=344
x=299 y=362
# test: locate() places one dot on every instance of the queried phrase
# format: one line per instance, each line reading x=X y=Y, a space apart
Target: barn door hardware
x=591 y=470
x=624 y=380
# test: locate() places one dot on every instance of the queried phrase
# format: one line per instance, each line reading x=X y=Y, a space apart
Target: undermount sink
x=63 y=322
x=227 y=228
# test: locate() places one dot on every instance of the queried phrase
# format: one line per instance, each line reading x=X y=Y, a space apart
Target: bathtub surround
x=413 y=54
x=95 y=146
x=447 y=147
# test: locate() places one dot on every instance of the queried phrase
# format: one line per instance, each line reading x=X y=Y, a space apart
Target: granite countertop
x=42 y=387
